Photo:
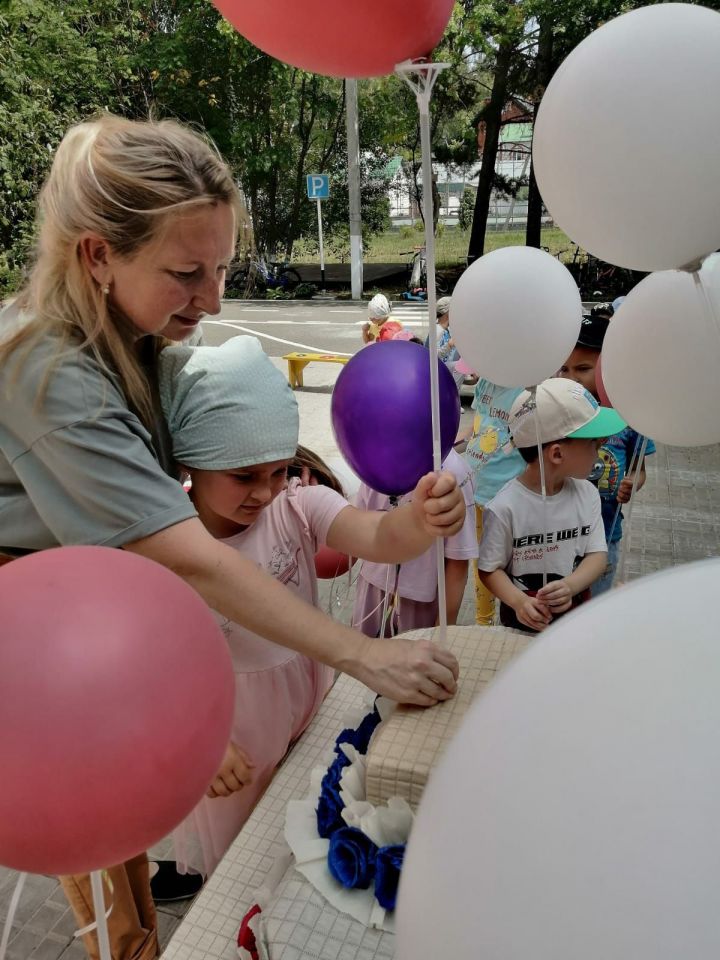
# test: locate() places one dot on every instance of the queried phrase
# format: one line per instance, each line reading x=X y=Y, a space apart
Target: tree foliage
x=63 y=62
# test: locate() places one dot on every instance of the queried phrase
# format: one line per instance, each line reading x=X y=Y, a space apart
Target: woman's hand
x=439 y=504
x=409 y=671
x=234 y=773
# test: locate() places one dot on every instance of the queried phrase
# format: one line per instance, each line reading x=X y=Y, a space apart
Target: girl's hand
x=439 y=504
x=234 y=773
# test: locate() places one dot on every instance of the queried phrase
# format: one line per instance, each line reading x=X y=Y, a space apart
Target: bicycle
x=257 y=275
x=417 y=276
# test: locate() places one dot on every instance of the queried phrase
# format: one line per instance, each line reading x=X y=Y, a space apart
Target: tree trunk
x=545 y=69
x=492 y=117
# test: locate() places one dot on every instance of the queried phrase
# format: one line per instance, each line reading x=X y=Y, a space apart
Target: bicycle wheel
x=289 y=278
x=237 y=280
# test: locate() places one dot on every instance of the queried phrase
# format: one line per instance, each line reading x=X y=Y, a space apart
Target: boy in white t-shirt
x=563 y=539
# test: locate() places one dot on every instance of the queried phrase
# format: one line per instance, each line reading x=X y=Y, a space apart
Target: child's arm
x=463 y=435
x=626 y=484
x=437 y=509
x=559 y=594
x=530 y=611
x=456 y=572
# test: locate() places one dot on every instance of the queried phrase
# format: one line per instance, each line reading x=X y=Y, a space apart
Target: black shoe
x=168 y=885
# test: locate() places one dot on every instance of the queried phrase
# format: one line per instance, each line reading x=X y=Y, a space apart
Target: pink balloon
x=601 y=391
x=116 y=700
x=462 y=367
x=341 y=38
x=331 y=563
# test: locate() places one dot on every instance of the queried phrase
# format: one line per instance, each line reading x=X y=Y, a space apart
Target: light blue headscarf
x=227 y=406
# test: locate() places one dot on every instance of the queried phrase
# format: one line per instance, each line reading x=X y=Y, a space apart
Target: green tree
x=59 y=63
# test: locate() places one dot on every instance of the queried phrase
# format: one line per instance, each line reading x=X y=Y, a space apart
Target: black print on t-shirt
x=536 y=539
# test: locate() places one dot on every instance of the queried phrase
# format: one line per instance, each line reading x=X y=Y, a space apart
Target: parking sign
x=318 y=186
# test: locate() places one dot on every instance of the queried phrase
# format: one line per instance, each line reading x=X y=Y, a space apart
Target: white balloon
x=515 y=316
x=627 y=141
x=661 y=356
x=575 y=814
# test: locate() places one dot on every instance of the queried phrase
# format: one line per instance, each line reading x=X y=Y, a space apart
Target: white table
x=209 y=930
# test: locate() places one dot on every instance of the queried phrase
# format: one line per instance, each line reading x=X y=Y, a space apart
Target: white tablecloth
x=298 y=923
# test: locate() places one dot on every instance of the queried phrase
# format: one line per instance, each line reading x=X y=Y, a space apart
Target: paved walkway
x=675 y=520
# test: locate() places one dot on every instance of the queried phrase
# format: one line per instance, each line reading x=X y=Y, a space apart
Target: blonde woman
x=137 y=225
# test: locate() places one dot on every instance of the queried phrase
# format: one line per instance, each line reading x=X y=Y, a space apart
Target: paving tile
x=46 y=917
x=167 y=925
x=51 y=948
x=22 y=945
x=74 y=951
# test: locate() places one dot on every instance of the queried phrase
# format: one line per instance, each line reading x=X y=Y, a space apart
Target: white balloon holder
x=421 y=77
x=101 y=916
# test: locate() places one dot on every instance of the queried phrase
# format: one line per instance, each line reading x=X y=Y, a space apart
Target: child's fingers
x=445 y=482
x=424 y=486
x=241 y=773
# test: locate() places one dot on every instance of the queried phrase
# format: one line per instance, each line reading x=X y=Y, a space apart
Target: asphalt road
x=318 y=327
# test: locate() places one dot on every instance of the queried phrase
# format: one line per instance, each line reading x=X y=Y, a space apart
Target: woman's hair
x=122 y=180
x=319 y=470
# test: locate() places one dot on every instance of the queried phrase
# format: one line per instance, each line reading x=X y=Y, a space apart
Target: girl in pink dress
x=234 y=424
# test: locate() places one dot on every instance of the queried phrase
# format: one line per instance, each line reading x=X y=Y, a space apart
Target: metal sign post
x=318 y=189
x=322 y=254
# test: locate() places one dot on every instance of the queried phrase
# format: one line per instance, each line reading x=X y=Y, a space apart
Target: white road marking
x=290 y=343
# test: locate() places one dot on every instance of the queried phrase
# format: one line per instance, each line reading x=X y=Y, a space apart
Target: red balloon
x=331 y=563
x=601 y=391
x=116 y=701
x=341 y=38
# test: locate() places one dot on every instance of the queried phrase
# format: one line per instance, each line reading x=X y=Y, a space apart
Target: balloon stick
x=626 y=539
x=543 y=488
x=14 y=901
x=421 y=77
x=100 y=915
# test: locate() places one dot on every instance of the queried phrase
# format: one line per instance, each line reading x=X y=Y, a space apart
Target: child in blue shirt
x=617 y=464
x=492 y=462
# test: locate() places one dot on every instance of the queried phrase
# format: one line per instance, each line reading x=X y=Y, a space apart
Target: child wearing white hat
x=562 y=540
x=379 y=326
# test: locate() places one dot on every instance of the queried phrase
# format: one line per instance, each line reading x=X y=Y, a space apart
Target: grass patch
x=451 y=245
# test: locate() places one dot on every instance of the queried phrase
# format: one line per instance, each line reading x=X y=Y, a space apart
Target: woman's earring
x=105 y=289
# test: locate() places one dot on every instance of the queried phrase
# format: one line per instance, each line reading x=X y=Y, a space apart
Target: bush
x=304 y=291
x=466 y=209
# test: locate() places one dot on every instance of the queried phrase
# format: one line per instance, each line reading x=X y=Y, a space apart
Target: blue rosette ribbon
x=388 y=865
x=351 y=858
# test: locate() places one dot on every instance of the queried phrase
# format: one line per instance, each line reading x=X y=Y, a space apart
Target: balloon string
x=383 y=616
x=707 y=300
x=626 y=538
x=543 y=489
x=14 y=901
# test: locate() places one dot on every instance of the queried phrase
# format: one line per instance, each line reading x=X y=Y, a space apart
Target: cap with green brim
x=559 y=409
x=606 y=423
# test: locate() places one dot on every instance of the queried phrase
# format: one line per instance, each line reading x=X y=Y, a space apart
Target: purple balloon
x=382 y=419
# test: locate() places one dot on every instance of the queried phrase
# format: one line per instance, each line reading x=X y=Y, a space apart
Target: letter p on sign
x=318 y=186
